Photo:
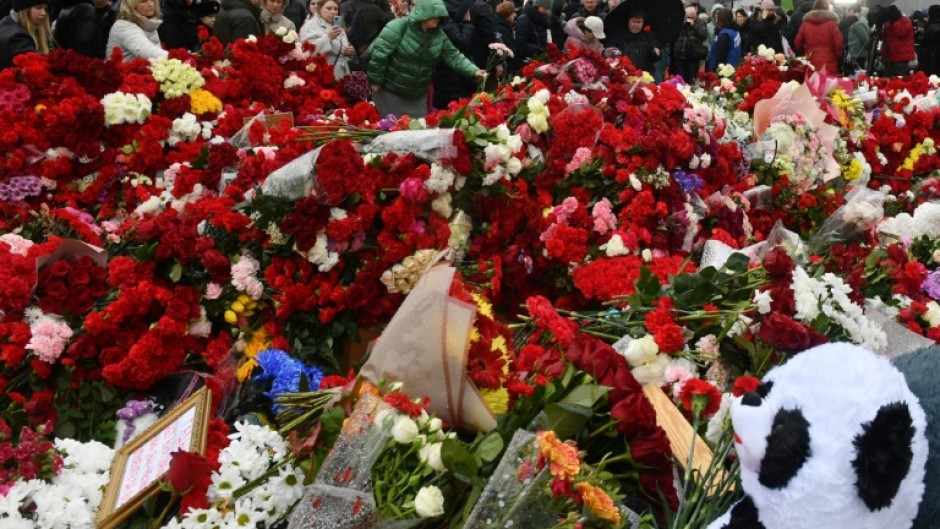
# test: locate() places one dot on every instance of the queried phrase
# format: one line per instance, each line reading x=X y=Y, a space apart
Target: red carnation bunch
x=338 y=167
x=700 y=398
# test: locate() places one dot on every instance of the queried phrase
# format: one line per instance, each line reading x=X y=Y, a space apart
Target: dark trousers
x=688 y=69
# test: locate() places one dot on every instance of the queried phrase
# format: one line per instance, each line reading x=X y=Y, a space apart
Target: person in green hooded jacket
x=404 y=56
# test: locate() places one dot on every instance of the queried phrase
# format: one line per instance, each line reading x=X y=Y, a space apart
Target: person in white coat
x=323 y=29
x=135 y=31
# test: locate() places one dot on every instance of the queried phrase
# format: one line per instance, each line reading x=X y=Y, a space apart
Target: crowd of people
x=414 y=55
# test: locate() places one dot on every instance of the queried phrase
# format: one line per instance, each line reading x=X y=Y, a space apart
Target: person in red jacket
x=898 y=48
x=820 y=39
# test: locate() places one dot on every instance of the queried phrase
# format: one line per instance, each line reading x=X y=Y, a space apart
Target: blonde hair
x=129 y=11
x=40 y=33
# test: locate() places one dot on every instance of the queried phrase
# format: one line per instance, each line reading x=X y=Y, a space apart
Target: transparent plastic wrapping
x=296 y=179
x=862 y=211
x=429 y=144
x=240 y=139
x=716 y=253
x=341 y=497
x=425 y=347
x=517 y=495
x=901 y=340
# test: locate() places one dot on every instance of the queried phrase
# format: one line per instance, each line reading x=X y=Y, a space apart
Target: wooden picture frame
x=139 y=465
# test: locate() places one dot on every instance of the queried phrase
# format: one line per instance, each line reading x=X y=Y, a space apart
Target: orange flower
x=599 y=502
x=563 y=457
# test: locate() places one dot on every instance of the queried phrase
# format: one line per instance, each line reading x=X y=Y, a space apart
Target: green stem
x=248 y=487
x=158 y=522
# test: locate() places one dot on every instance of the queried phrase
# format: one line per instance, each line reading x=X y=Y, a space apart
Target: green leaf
x=737 y=263
x=65 y=429
x=586 y=396
x=566 y=420
x=460 y=461
x=490 y=448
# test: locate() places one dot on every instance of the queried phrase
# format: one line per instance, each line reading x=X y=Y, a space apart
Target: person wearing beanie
x=135 y=31
x=532 y=29
x=26 y=29
x=766 y=28
x=79 y=27
x=205 y=12
x=585 y=32
x=930 y=49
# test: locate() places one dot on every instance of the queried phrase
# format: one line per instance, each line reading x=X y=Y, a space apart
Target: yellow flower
x=231 y=317
x=485 y=307
x=259 y=342
x=202 y=101
x=852 y=170
x=245 y=370
x=599 y=502
x=563 y=457
x=39 y=108
x=497 y=400
x=912 y=157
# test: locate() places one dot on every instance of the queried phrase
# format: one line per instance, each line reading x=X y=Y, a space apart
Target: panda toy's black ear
x=884 y=455
x=787 y=449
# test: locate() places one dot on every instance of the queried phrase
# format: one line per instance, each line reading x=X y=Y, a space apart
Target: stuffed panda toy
x=836 y=439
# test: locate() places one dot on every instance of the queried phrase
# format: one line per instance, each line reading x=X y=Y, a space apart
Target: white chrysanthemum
x=126 y=108
x=615 y=246
x=321 y=256
x=763 y=301
x=440 y=180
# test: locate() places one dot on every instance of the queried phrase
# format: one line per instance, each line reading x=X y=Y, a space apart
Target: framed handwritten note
x=140 y=464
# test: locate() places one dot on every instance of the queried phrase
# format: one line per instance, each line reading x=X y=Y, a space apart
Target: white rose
x=641 y=351
x=932 y=316
x=405 y=430
x=653 y=372
x=513 y=166
x=429 y=502
x=434 y=425
x=431 y=454
x=936 y=256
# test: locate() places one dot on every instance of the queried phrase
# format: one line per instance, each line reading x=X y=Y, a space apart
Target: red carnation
x=744 y=384
x=700 y=397
x=786 y=334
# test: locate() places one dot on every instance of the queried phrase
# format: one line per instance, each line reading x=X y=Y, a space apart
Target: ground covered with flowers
x=608 y=234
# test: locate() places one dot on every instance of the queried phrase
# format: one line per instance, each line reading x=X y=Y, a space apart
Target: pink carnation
x=48 y=339
x=604 y=218
x=18 y=245
x=244 y=277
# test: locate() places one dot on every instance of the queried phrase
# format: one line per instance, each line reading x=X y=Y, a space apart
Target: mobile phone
x=338 y=21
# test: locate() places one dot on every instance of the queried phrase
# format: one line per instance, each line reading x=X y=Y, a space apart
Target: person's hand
x=376 y=88
x=479 y=74
x=349 y=50
x=466 y=16
x=656 y=51
x=499 y=70
x=334 y=32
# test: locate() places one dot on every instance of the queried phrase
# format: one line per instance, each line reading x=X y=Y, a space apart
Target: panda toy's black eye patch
x=744 y=516
x=764 y=389
x=884 y=455
x=787 y=449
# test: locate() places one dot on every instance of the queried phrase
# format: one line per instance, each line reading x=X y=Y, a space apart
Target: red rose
x=60 y=268
x=744 y=384
x=786 y=334
x=651 y=449
x=146 y=230
x=634 y=414
x=79 y=276
x=778 y=263
x=186 y=470
x=56 y=290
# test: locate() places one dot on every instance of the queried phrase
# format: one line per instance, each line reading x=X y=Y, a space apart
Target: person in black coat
x=80 y=28
x=471 y=28
x=930 y=48
x=638 y=45
x=15 y=39
x=296 y=12
x=796 y=20
x=364 y=20
x=532 y=28
x=179 y=28
x=205 y=13
x=765 y=28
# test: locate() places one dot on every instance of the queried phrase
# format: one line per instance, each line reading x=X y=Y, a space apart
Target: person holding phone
x=324 y=29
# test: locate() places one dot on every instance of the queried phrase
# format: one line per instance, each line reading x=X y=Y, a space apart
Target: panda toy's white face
x=832 y=439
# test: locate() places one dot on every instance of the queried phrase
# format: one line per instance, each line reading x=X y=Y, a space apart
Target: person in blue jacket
x=726 y=49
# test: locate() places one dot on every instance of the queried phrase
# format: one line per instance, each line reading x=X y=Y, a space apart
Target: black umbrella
x=664 y=17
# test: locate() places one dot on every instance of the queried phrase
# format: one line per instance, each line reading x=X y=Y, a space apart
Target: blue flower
x=688 y=181
x=284 y=373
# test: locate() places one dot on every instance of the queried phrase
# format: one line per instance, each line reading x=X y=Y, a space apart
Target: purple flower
x=931 y=285
x=689 y=182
